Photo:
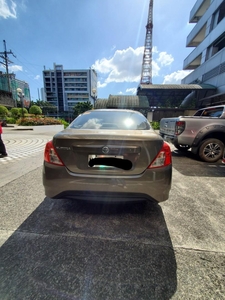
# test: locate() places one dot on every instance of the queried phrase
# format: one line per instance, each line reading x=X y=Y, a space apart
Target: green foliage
x=155 y=125
x=10 y=120
x=38 y=121
x=35 y=109
x=23 y=111
x=66 y=124
x=15 y=112
x=81 y=107
x=3 y=111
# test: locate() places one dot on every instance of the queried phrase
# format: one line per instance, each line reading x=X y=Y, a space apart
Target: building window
x=221 y=12
x=218 y=45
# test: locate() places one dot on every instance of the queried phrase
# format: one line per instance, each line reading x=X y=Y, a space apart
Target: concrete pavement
x=57 y=249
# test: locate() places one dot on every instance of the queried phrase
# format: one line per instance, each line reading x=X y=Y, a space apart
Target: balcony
x=198 y=10
x=194 y=58
x=193 y=40
x=200 y=30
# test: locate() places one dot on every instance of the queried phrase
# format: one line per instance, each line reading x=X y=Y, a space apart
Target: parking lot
x=57 y=249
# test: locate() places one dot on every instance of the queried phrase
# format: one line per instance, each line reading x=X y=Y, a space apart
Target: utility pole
x=6 y=61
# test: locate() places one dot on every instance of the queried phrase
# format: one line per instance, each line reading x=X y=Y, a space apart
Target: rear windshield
x=122 y=120
x=210 y=112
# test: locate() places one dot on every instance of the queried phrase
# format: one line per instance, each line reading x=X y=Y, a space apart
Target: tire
x=182 y=147
x=211 y=150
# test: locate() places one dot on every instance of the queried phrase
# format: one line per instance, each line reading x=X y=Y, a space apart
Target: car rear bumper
x=152 y=184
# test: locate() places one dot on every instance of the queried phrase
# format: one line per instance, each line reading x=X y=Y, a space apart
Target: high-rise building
x=207 y=60
x=10 y=84
x=65 y=88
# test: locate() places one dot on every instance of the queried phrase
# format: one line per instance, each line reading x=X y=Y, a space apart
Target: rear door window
x=210 y=112
x=122 y=120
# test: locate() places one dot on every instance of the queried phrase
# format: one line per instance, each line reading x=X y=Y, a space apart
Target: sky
x=107 y=35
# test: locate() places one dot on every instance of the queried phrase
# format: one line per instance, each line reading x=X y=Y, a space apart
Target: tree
x=81 y=107
x=35 y=109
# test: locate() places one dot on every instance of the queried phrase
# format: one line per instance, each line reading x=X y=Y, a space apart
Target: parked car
x=108 y=155
x=203 y=133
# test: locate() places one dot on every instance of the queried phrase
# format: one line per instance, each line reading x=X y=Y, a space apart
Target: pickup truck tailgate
x=167 y=126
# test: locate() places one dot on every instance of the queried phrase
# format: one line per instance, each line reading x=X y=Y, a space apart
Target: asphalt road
x=56 y=249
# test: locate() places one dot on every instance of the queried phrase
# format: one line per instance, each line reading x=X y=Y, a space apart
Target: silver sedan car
x=108 y=155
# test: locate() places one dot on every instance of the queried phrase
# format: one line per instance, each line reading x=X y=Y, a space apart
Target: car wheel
x=211 y=150
x=182 y=147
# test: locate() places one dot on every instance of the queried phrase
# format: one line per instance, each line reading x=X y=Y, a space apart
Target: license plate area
x=99 y=160
x=92 y=156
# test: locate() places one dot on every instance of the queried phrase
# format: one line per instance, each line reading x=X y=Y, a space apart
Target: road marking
x=19 y=149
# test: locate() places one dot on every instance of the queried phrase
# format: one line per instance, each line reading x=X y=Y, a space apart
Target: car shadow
x=80 y=250
x=189 y=164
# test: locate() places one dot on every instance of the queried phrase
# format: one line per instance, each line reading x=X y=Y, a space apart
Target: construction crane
x=146 y=73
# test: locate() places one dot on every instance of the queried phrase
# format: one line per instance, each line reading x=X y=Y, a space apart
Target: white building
x=207 y=60
x=65 y=88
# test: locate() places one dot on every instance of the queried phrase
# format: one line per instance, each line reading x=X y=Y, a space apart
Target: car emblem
x=105 y=150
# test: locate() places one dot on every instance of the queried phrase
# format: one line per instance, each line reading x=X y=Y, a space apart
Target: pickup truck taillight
x=179 y=127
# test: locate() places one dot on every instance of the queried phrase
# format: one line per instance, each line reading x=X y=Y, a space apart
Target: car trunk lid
x=107 y=152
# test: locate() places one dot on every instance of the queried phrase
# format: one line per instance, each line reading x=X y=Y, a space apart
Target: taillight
x=163 y=158
x=51 y=156
x=179 y=127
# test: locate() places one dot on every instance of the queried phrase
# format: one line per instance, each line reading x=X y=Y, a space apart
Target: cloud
x=165 y=59
x=101 y=85
x=37 y=77
x=175 y=77
x=113 y=47
x=133 y=91
x=15 y=68
x=126 y=66
x=154 y=49
x=7 y=9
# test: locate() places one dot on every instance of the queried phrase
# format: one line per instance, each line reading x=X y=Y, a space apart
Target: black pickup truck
x=203 y=133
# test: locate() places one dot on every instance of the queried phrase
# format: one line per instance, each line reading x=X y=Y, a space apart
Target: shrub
x=38 y=121
x=23 y=111
x=36 y=110
x=15 y=112
x=11 y=120
x=66 y=124
x=3 y=111
x=155 y=125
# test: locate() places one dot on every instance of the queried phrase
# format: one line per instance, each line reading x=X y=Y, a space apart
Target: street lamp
x=94 y=93
x=21 y=95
